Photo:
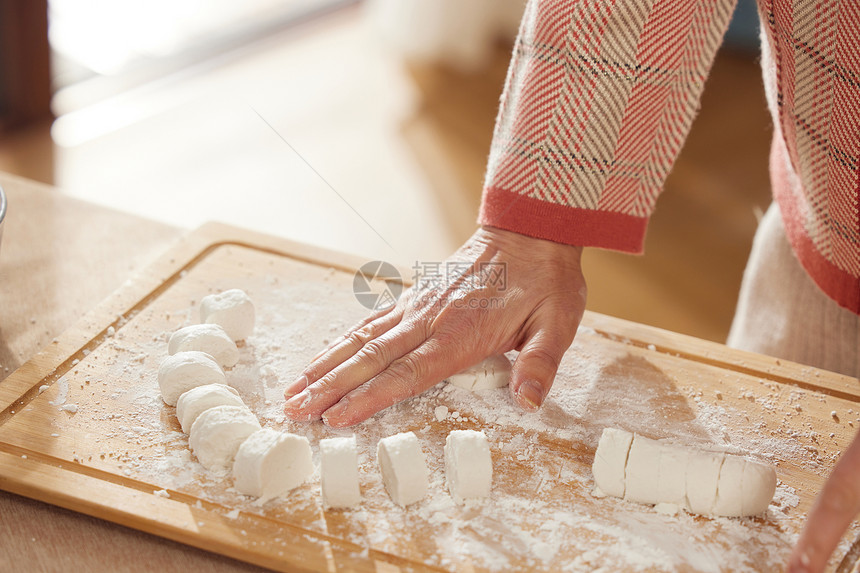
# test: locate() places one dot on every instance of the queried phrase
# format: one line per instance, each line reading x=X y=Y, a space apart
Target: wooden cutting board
x=82 y=426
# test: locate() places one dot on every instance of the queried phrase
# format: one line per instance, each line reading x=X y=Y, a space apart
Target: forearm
x=597 y=103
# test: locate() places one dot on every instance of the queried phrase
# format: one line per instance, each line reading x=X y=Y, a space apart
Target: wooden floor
x=377 y=152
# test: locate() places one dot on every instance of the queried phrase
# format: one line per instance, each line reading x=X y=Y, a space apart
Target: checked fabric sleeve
x=599 y=98
x=811 y=65
x=600 y=95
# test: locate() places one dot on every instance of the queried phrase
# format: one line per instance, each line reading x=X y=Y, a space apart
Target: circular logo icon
x=377 y=285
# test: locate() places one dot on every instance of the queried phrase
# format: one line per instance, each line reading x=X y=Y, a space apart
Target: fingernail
x=530 y=394
x=299 y=401
x=335 y=412
x=301 y=383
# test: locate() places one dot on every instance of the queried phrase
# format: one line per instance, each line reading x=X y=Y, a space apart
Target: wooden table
x=542 y=514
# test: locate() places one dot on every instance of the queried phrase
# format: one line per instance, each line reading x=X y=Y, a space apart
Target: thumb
x=535 y=368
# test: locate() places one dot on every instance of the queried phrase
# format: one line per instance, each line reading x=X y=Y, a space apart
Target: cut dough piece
x=703 y=475
x=610 y=461
x=758 y=486
x=217 y=434
x=643 y=471
x=672 y=479
x=186 y=370
x=729 y=501
x=404 y=472
x=668 y=476
x=493 y=372
x=271 y=463
x=468 y=465
x=339 y=472
x=232 y=310
x=208 y=338
x=197 y=400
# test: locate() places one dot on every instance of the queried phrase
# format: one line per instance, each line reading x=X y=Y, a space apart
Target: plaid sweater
x=600 y=95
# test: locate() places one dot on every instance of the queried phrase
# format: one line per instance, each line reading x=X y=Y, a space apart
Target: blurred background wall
x=179 y=110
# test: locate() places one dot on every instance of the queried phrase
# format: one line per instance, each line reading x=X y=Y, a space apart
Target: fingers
x=535 y=368
x=343 y=349
x=371 y=359
x=834 y=510
x=366 y=320
x=405 y=377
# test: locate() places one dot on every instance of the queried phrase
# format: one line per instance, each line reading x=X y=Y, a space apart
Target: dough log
x=708 y=483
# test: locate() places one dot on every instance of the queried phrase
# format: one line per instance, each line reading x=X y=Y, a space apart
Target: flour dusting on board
x=541 y=514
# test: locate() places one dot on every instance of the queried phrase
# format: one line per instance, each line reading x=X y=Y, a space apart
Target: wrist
x=513 y=241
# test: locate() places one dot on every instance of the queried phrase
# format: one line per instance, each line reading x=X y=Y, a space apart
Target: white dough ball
x=232 y=310
x=217 y=434
x=339 y=472
x=270 y=463
x=468 y=465
x=197 y=400
x=404 y=472
x=186 y=370
x=492 y=372
x=208 y=338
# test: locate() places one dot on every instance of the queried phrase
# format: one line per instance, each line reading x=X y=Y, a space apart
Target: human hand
x=436 y=330
x=833 y=511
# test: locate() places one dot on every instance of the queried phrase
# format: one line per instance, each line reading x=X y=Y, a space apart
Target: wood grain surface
x=82 y=426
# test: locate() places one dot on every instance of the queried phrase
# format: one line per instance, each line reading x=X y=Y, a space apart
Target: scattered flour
x=540 y=511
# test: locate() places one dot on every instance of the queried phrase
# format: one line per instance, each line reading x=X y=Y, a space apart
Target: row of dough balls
x=198 y=353
x=224 y=434
x=468 y=464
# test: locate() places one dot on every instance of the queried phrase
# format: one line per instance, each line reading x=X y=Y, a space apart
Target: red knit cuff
x=562 y=224
x=838 y=284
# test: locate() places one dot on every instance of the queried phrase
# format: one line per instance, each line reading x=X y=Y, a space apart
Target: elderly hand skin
x=436 y=330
